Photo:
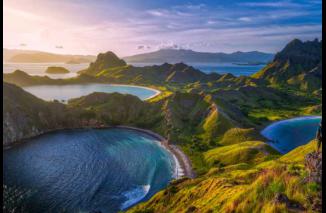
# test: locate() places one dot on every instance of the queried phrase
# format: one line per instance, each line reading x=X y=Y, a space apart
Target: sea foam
x=134 y=196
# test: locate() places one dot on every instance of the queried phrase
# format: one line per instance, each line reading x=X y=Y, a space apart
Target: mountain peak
x=104 y=61
x=296 y=51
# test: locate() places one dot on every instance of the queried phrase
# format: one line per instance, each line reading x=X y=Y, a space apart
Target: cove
x=87 y=170
x=288 y=134
x=66 y=92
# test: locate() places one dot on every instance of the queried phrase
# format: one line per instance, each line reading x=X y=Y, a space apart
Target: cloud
x=246 y=19
x=158 y=12
x=207 y=27
x=279 y=4
x=195 y=6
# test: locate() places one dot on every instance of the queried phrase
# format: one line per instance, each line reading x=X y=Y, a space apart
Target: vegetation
x=214 y=118
x=56 y=70
x=241 y=187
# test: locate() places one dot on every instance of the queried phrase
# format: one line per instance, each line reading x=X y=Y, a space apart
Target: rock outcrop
x=104 y=61
x=313 y=163
x=56 y=70
x=297 y=65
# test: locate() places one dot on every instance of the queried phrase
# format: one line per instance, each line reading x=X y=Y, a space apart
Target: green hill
x=247 y=186
x=56 y=70
x=215 y=119
x=297 y=65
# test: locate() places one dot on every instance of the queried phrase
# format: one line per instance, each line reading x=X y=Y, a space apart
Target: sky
x=129 y=27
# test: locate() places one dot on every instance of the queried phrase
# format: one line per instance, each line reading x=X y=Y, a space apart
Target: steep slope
x=271 y=186
x=26 y=115
x=297 y=65
x=104 y=61
x=157 y=74
x=117 y=109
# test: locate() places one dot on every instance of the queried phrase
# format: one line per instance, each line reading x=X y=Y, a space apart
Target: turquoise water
x=40 y=68
x=105 y=170
x=66 y=92
x=288 y=134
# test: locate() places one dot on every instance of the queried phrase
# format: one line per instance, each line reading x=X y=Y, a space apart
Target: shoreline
x=157 y=92
x=180 y=157
x=182 y=162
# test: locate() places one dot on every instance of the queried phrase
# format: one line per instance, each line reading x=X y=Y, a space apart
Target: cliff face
x=104 y=61
x=177 y=116
x=26 y=115
x=297 y=65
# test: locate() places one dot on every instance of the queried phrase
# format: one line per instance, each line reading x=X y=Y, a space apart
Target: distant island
x=32 y=56
x=56 y=70
x=78 y=61
x=190 y=56
x=215 y=120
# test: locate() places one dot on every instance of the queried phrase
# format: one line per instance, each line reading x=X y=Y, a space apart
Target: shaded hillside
x=22 y=79
x=297 y=65
x=117 y=109
x=156 y=74
x=189 y=56
x=26 y=116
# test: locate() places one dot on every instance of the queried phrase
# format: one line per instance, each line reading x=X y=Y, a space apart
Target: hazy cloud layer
x=129 y=27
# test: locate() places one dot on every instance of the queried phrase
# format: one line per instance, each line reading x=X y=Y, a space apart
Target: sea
x=86 y=170
x=40 y=68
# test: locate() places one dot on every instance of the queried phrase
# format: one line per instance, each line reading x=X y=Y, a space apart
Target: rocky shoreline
x=181 y=158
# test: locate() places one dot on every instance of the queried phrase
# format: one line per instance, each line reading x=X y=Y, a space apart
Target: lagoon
x=82 y=170
x=288 y=134
x=65 y=92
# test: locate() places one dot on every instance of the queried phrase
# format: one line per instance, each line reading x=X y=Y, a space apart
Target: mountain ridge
x=190 y=56
x=297 y=65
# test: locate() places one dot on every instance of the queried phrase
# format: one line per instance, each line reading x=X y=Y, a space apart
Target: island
x=56 y=70
x=78 y=61
x=214 y=120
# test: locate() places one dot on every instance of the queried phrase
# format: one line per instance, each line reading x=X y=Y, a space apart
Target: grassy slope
x=237 y=172
x=238 y=188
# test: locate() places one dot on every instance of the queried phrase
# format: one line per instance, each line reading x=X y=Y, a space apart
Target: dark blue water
x=288 y=134
x=84 y=170
x=221 y=68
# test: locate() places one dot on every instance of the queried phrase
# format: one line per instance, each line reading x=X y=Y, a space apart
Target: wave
x=178 y=171
x=134 y=196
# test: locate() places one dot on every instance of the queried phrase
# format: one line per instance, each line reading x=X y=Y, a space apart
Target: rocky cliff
x=297 y=65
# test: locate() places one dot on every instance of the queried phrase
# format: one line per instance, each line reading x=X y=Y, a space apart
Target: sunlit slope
x=251 y=188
